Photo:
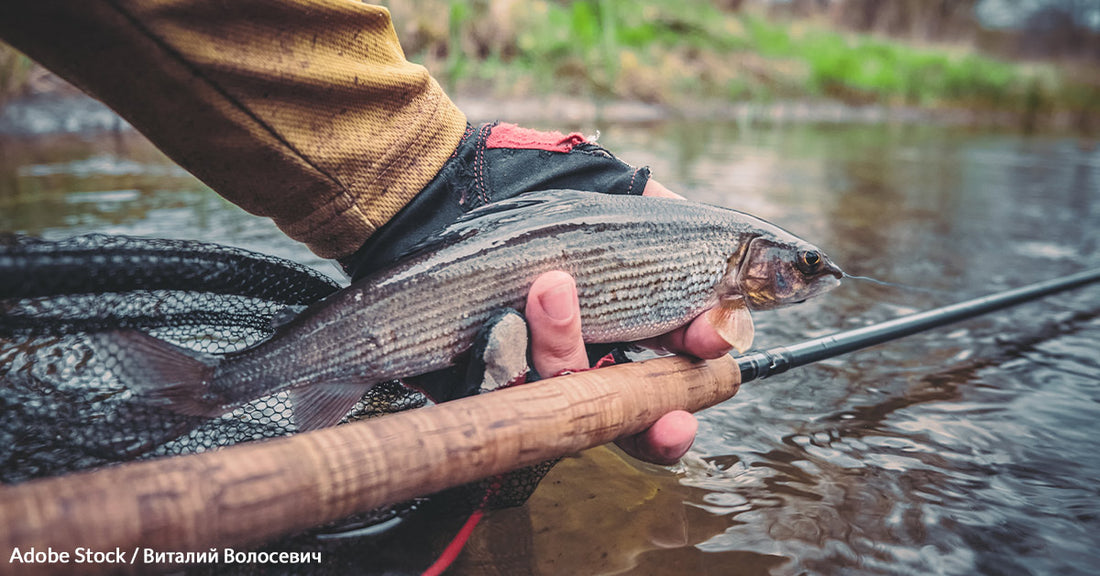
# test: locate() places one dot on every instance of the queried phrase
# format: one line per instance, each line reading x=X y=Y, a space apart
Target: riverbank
x=695 y=55
x=69 y=112
x=575 y=62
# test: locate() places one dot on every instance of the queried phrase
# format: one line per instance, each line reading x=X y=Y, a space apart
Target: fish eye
x=810 y=259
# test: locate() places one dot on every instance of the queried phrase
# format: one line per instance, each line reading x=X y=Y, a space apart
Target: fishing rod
x=762 y=364
x=254 y=492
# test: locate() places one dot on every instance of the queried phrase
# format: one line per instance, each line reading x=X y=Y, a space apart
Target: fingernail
x=558 y=301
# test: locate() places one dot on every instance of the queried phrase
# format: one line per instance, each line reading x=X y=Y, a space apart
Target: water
x=960 y=451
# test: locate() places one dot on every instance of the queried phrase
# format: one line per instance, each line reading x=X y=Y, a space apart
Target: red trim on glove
x=512 y=136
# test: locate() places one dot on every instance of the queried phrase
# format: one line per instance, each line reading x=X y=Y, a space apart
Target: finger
x=665 y=442
x=554 y=316
x=697 y=338
x=673 y=434
x=655 y=188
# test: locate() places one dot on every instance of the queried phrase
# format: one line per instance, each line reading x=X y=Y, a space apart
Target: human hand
x=523 y=161
x=553 y=315
x=696 y=338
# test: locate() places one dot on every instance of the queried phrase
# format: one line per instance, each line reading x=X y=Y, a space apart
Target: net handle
x=251 y=493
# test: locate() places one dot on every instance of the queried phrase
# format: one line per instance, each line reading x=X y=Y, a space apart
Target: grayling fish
x=643 y=266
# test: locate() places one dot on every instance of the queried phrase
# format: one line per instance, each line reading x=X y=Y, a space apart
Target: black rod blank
x=777 y=360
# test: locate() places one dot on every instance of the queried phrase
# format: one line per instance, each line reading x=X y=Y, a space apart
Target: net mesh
x=64 y=410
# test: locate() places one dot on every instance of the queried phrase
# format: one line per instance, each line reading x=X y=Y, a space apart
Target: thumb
x=554 y=317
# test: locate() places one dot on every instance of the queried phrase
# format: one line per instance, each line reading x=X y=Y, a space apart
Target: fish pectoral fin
x=160 y=372
x=733 y=322
x=324 y=404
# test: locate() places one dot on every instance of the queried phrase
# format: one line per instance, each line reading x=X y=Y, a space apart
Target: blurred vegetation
x=15 y=72
x=679 y=52
x=897 y=53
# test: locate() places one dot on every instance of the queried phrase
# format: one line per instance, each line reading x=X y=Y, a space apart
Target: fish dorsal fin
x=551 y=198
x=733 y=322
x=502 y=206
x=324 y=404
x=493 y=214
x=436 y=241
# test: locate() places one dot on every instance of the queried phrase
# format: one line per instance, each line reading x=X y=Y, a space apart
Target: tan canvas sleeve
x=304 y=111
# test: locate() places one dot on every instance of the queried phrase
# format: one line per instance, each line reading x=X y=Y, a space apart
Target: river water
x=959 y=451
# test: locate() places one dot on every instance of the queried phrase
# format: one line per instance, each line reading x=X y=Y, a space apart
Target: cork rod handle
x=250 y=493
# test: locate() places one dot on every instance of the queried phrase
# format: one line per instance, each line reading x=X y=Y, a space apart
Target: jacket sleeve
x=304 y=111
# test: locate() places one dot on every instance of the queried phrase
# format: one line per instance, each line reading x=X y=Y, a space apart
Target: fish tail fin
x=161 y=372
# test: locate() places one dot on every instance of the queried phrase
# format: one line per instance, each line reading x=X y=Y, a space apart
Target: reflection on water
x=958 y=451
x=117 y=183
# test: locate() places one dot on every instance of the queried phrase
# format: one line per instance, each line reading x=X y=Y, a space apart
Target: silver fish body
x=643 y=266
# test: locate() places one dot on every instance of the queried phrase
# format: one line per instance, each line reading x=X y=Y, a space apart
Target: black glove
x=492 y=163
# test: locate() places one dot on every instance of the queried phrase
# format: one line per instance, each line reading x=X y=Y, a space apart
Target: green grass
x=680 y=52
x=872 y=69
x=15 y=70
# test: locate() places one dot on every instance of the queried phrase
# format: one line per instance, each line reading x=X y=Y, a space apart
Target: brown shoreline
x=65 y=112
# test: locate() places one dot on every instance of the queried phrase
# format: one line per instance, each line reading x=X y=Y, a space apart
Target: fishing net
x=63 y=408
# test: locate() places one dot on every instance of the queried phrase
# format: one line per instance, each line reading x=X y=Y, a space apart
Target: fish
x=643 y=266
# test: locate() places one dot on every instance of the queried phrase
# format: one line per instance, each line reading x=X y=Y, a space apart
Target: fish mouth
x=832 y=268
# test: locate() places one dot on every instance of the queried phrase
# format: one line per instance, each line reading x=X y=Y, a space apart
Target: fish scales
x=404 y=334
x=642 y=266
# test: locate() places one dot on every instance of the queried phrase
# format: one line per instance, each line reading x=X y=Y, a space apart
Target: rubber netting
x=62 y=409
